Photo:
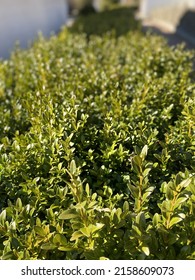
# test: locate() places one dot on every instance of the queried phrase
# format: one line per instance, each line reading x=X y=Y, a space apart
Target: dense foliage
x=117 y=20
x=97 y=149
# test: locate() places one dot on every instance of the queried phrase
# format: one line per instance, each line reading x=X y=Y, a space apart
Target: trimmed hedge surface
x=97 y=149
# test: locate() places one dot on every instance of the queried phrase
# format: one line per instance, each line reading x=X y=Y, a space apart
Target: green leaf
x=73 y=167
x=162 y=229
x=76 y=235
x=19 y=204
x=68 y=214
x=145 y=250
x=174 y=221
x=136 y=164
x=48 y=246
x=169 y=193
x=140 y=220
x=137 y=230
x=59 y=239
x=2 y=217
x=39 y=230
x=156 y=219
x=178 y=179
x=60 y=165
x=90 y=229
x=15 y=243
x=144 y=152
x=134 y=190
x=172 y=238
x=179 y=201
x=97 y=227
x=185 y=183
x=92 y=204
x=65 y=248
x=38 y=222
x=182 y=215
x=147 y=193
x=13 y=225
x=166 y=206
x=159 y=157
x=36 y=180
x=192 y=188
x=146 y=172
x=126 y=206
x=87 y=189
x=8 y=256
x=185 y=250
x=86 y=231
x=50 y=213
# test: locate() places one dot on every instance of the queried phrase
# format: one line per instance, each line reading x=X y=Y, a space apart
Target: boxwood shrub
x=118 y=19
x=97 y=149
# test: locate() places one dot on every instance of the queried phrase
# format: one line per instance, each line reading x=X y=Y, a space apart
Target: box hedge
x=97 y=149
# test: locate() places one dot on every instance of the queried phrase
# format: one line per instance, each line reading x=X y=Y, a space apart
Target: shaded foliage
x=119 y=21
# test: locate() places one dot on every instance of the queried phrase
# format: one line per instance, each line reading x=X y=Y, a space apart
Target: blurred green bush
x=118 y=20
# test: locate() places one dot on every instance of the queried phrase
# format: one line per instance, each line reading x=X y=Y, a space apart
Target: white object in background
x=147 y=7
x=21 y=20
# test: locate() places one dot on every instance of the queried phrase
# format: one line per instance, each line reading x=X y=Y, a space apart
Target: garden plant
x=97 y=146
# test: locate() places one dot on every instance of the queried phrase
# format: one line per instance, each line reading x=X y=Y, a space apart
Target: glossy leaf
x=174 y=221
x=68 y=214
x=48 y=246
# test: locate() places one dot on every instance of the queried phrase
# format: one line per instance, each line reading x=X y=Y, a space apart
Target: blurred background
x=22 y=20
